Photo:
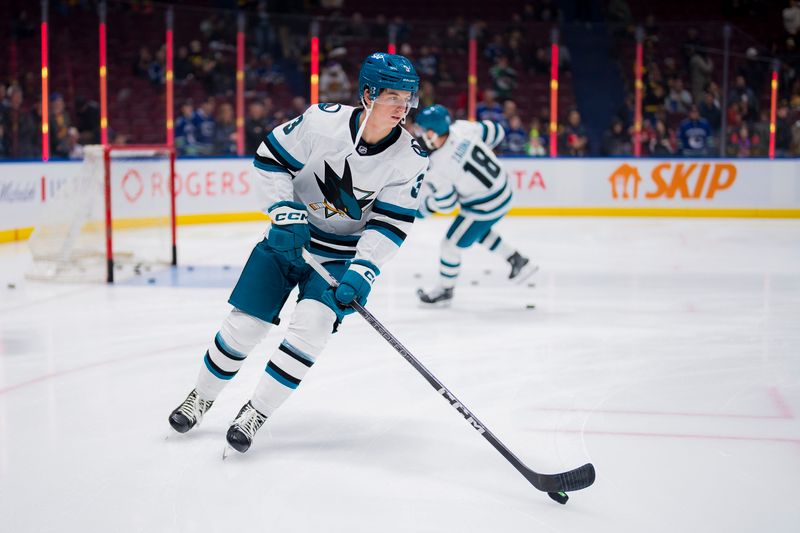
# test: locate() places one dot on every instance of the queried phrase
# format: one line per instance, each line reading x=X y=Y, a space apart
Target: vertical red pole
x=554 y=93
x=107 y=191
x=314 y=62
x=170 y=79
x=472 y=77
x=772 y=109
x=103 y=74
x=240 y=85
x=392 y=48
x=173 y=212
x=45 y=79
x=637 y=113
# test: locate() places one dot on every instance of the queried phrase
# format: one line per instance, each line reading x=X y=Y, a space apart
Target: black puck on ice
x=417 y=275
x=12 y=286
x=151 y=281
x=190 y=268
x=560 y=497
x=531 y=285
x=530 y=306
x=474 y=282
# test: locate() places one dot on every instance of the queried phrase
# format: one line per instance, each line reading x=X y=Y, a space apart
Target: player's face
x=391 y=106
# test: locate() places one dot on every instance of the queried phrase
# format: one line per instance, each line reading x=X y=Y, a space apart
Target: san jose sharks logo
x=341 y=198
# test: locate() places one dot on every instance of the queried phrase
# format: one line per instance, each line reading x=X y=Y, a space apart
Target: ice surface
x=665 y=351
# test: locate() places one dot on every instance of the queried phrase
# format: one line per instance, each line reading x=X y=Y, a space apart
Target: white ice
x=664 y=351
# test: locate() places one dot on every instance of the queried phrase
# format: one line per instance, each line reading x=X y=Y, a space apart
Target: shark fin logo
x=340 y=195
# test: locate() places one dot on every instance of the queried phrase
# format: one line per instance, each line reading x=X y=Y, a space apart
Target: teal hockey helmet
x=435 y=117
x=388 y=71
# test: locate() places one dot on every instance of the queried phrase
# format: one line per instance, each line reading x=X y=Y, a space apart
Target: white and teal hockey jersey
x=361 y=202
x=465 y=172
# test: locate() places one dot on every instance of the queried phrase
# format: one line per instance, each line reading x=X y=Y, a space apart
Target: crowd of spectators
x=682 y=99
x=683 y=113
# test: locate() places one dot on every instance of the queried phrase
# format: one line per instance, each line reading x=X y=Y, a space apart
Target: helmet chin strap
x=430 y=142
x=367 y=112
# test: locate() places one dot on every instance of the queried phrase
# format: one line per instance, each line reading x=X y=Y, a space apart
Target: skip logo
x=461 y=409
x=672 y=180
x=341 y=198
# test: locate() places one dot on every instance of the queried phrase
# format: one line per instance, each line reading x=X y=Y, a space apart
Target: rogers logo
x=132 y=185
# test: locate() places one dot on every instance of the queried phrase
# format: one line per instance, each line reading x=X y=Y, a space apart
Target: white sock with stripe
x=237 y=337
x=309 y=331
x=495 y=244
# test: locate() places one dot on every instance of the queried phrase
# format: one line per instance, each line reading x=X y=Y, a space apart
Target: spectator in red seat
x=694 y=135
x=255 y=126
x=678 y=100
x=711 y=111
x=20 y=129
x=504 y=78
x=59 y=127
x=573 y=139
x=225 y=131
x=701 y=67
x=616 y=141
x=489 y=108
x=516 y=137
x=741 y=143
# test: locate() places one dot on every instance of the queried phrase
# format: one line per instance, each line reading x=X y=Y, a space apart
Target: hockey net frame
x=75 y=263
x=155 y=149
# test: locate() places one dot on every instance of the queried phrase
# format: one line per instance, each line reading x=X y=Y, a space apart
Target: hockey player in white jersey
x=344 y=183
x=464 y=173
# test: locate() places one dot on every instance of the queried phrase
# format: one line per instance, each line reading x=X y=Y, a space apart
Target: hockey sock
x=238 y=335
x=495 y=243
x=449 y=267
x=305 y=339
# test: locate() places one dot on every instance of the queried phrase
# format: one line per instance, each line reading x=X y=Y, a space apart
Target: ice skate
x=521 y=267
x=189 y=413
x=439 y=296
x=240 y=434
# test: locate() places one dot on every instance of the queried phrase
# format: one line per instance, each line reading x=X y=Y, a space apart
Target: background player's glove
x=355 y=285
x=289 y=232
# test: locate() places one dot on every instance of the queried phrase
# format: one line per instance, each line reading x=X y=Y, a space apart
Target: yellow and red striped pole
x=240 y=85
x=773 y=108
x=45 y=78
x=103 y=75
x=314 y=62
x=472 y=77
x=554 y=93
x=170 y=78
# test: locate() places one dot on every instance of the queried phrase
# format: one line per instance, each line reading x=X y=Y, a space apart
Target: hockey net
x=113 y=219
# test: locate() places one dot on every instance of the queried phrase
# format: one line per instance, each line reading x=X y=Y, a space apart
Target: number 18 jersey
x=465 y=172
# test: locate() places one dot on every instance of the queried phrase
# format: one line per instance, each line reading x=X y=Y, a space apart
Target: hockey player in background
x=344 y=183
x=464 y=173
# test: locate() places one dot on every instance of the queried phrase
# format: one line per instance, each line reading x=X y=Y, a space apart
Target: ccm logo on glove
x=287 y=215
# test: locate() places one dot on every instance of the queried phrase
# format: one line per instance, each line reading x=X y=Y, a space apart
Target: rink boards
x=222 y=190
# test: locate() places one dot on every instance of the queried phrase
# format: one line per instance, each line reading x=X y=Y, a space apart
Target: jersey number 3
x=486 y=169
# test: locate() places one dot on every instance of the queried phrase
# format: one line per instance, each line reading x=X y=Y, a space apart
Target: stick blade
x=576 y=479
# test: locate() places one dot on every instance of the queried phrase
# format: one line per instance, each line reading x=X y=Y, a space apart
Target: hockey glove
x=355 y=285
x=289 y=231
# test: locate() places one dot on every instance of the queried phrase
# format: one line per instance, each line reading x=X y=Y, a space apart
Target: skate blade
x=226 y=452
x=526 y=272
x=443 y=304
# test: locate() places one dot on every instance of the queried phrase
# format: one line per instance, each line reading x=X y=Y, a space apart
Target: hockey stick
x=556 y=485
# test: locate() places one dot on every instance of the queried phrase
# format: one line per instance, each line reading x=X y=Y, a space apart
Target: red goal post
x=131 y=149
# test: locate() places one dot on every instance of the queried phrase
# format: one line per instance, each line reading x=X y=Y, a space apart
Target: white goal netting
x=113 y=219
